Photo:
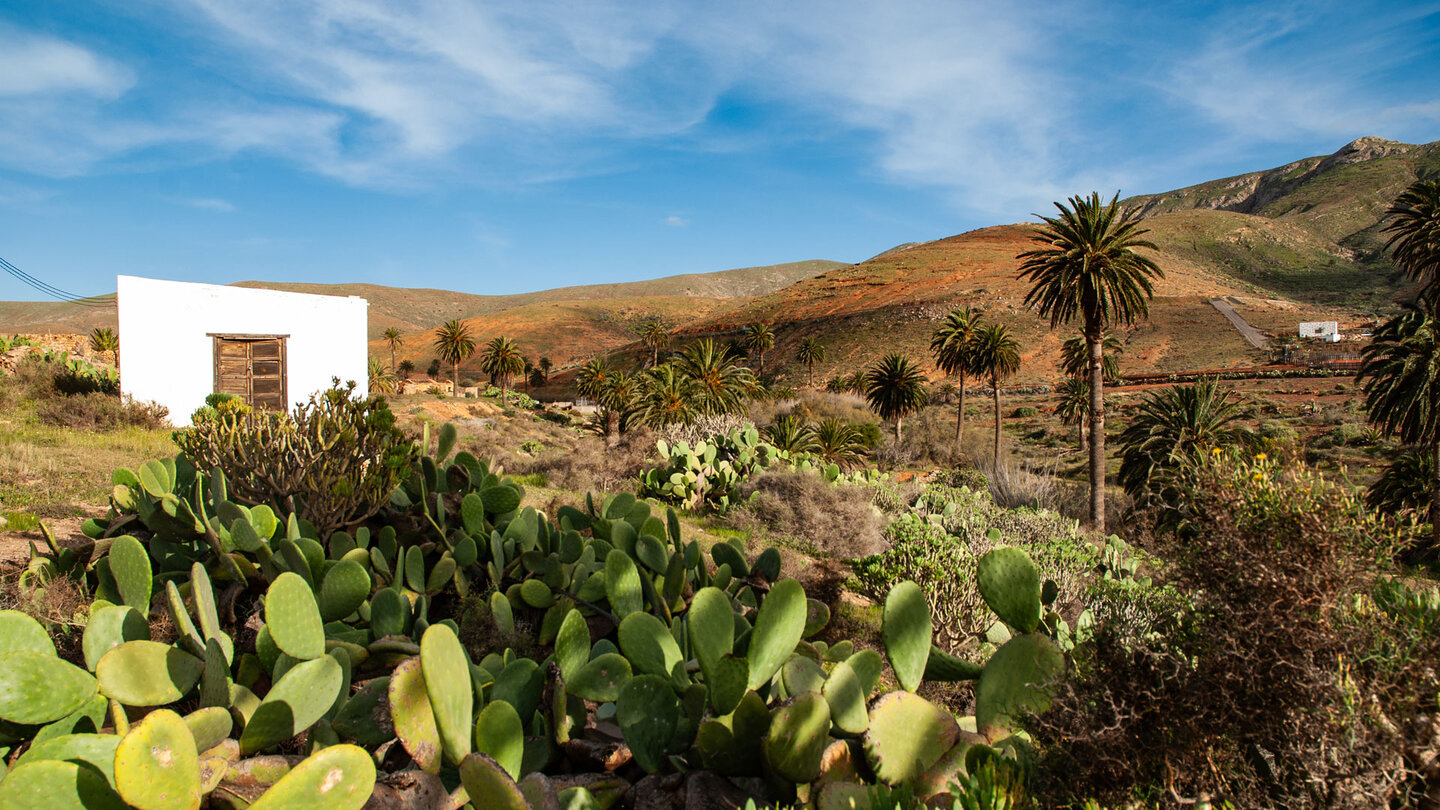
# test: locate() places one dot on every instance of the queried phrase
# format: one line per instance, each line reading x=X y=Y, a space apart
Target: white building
x=181 y=342
x=1328 y=331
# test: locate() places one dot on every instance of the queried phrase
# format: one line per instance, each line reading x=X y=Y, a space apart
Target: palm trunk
x=960 y=414
x=392 y=359
x=995 y=385
x=811 y=369
x=612 y=427
x=1080 y=426
x=1435 y=492
x=1097 y=428
x=455 y=381
x=899 y=429
x=505 y=391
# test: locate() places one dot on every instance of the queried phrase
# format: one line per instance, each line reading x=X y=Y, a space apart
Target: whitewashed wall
x=167 y=354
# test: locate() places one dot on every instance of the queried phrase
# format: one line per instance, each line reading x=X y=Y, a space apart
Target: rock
x=409 y=790
x=659 y=792
x=707 y=790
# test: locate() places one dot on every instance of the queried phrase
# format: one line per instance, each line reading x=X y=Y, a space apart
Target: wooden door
x=252 y=367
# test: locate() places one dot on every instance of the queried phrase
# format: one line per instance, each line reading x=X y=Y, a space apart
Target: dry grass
x=804 y=512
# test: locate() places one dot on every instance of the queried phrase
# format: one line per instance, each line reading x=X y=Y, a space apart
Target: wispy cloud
x=675 y=222
x=208 y=204
x=32 y=65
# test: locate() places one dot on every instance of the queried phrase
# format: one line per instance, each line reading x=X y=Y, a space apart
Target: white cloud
x=675 y=222
x=209 y=204
x=32 y=65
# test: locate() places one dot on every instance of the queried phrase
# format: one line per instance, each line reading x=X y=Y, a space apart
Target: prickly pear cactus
x=905 y=628
x=1010 y=585
x=40 y=688
x=907 y=734
x=58 y=785
x=157 y=766
x=293 y=618
x=147 y=673
x=446 y=671
x=341 y=777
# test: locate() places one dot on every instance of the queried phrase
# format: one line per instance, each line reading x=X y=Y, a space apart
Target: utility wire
x=93 y=301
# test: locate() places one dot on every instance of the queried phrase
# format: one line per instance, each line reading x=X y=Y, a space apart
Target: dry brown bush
x=804 y=511
x=588 y=465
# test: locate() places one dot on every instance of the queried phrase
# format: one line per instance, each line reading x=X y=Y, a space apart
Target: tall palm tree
x=655 y=337
x=1075 y=357
x=1404 y=486
x=1171 y=428
x=454 y=345
x=1414 y=230
x=953 y=347
x=392 y=338
x=502 y=360
x=721 y=384
x=759 y=338
x=590 y=379
x=810 y=353
x=1089 y=268
x=1074 y=404
x=1400 y=375
x=545 y=366
x=895 y=388
x=666 y=397
x=617 y=399
x=997 y=356
x=407 y=367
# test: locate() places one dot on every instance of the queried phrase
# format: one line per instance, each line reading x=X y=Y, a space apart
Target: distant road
x=1255 y=336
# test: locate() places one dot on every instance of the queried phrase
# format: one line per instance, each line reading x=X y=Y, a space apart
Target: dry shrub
x=802 y=510
x=101 y=412
x=590 y=466
x=1267 y=690
x=60 y=605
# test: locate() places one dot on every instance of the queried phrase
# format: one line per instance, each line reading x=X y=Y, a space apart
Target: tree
x=392 y=338
x=407 y=367
x=721 y=384
x=1404 y=485
x=954 y=350
x=1075 y=357
x=655 y=337
x=1400 y=375
x=590 y=379
x=502 y=360
x=381 y=380
x=545 y=366
x=810 y=353
x=759 y=339
x=1089 y=268
x=103 y=339
x=839 y=443
x=616 y=396
x=1414 y=243
x=997 y=356
x=1074 y=404
x=1171 y=428
x=791 y=434
x=536 y=377
x=666 y=397
x=433 y=370
x=454 y=345
x=895 y=388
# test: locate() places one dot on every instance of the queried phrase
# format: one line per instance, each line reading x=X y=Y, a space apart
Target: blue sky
x=500 y=147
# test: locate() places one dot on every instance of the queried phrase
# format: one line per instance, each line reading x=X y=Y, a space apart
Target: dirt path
x=1255 y=336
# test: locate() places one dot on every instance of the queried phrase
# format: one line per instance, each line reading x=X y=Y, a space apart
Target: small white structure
x=182 y=342
x=1328 y=331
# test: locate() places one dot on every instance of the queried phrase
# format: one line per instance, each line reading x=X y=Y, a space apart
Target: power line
x=50 y=289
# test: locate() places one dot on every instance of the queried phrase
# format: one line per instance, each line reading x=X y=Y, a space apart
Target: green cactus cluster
x=605 y=634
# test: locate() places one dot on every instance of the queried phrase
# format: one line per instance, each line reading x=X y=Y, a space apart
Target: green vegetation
x=453 y=345
x=954 y=347
x=895 y=387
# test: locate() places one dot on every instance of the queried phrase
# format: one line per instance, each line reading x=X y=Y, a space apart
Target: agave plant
x=839 y=443
x=1172 y=427
x=791 y=434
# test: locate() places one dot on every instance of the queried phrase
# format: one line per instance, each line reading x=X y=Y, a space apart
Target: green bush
x=1024 y=412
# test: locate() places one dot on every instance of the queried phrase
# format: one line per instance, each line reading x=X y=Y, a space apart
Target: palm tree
x=895 y=388
x=1400 y=375
x=392 y=337
x=1171 y=428
x=1415 y=236
x=617 y=399
x=454 y=345
x=545 y=366
x=721 y=384
x=103 y=339
x=791 y=434
x=666 y=397
x=1404 y=486
x=839 y=443
x=381 y=380
x=502 y=360
x=590 y=379
x=810 y=353
x=655 y=337
x=1075 y=357
x=1089 y=268
x=1074 y=404
x=407 y=367
x=953 y=347
x=758 y=339
x=997 y=356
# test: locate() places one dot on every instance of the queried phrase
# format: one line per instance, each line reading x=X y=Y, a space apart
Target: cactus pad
x=905 y=628
x=601 y=679
x=53 y=784
x=130 y=565
x=21 y=633
x=622 y=584
x=778 y=628
x=500 y=734
x=799 y=733
x=209 y=727
x=108 y=628
x=489 y=786
x=1011 y=587
x=446 y=672
x=293 y=618
x=411 y=714
x=1016 y=679
x=345 y=587
x=647 y=642
x=572 y=643
x=846 y=695
x=147 y=673
x=301 y=697
x=712 y=625
x=341 y=777
x=157 y=766
x=943 y=666
x=39 y=688
x=907 y=735
x=95 y=750
x=648 y=713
